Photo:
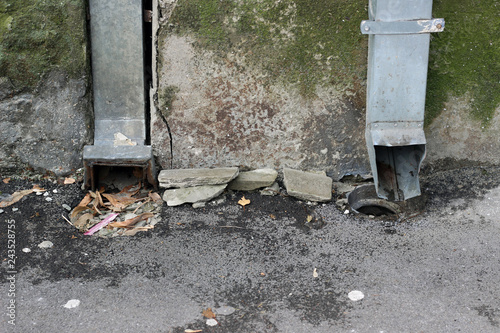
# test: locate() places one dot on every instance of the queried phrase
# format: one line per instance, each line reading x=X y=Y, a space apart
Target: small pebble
x=199 y=204
x=49 y=199
x=45 y=245
x=68 y=208
x=346 y=211
x=356 y=295
x=212 y=322
x=45 y=194
x=26 y=250
x=15 y=209
x=39 y=193
x=1 y=211
x=72 y=303
x=54 y=191
x=225 y=310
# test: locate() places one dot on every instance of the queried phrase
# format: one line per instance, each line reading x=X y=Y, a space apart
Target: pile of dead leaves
x=132 y=209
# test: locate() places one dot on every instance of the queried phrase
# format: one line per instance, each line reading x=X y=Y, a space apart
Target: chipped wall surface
x=265 y=83
x=282 y=83
x=46 y=115
x=231 y=99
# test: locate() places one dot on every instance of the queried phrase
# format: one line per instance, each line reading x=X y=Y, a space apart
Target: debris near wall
x=125 y=213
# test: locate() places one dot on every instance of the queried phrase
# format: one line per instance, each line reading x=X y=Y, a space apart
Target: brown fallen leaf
x=124 y=198
x=155 y=197
x=132 y=232
x=82 y=220
x=243 y=201
x=119 y=202
x=132 y=221
x=86 y=200
x=208 y=313
x=6 y=180
x=18 y=195
x=68 y=180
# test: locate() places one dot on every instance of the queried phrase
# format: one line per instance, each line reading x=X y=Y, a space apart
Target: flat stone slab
x=179 y=196
x=309 y=186
x=180 y=178
x=252 y=180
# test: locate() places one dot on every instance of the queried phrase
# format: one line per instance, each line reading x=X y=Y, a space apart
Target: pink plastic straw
x=101 y=224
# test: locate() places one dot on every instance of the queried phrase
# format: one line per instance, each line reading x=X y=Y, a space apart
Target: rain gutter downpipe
x=398 y=53
x=119 y=90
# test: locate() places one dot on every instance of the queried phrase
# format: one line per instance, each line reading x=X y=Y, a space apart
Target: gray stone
x=271 y=190
x=252 y=180
x=45 y=245
x=178 y=196
x=307 y=185
x=180 y=178
x=200 y=204
x=343 y=188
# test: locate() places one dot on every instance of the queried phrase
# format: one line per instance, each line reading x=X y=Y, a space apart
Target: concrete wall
x=45 y=109
x=282 y=83
x=266 y=83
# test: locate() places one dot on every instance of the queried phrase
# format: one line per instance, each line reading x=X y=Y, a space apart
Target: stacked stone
x=198 y=186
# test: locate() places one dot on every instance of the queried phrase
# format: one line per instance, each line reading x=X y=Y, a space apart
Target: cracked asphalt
x=435 y=272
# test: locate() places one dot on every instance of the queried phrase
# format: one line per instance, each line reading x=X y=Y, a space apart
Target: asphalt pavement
x=275 y=265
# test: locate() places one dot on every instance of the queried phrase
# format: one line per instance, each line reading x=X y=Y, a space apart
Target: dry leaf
x=243 y=201
x=83 y=220
x=6 y=180
x=68 y=180
x=309 y=218
x=132 y=232
x=132 y=221
x=124 y=198
x=155 y=197
x=192 y=331
x=272 y=216
x=86 y=200
x=119 y=202
x=208 y=313
x=18 y=195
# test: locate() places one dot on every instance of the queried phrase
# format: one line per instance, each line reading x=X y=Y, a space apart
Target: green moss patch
x=465 y=58
x=300 y=42
x=37 y=36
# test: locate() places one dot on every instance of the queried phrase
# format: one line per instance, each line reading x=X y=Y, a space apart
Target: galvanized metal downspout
x=119 y=88
x=396 y=85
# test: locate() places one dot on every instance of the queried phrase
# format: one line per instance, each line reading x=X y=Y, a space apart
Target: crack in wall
x=161 y=12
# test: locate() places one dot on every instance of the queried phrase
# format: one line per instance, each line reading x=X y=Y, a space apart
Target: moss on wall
x=465 y=58
x=37 y=36
x=301 y=42
x=310 y=43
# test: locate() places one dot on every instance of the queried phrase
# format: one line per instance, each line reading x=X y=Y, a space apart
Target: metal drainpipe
x=116 y=28
x=398 y=53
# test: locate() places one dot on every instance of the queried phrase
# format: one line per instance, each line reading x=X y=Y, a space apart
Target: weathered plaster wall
x=262 y=84
x=250 y=83
x=463 y=95
x=46 y=115
x=282 y=83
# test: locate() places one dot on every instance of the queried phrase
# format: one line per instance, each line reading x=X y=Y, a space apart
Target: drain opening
x=375 y=210
x=117 y=177
x=364 y=200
